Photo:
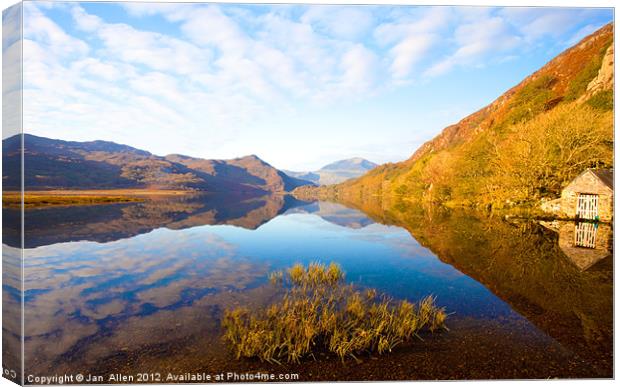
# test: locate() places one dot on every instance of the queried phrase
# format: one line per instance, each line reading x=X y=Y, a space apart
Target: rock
x=605 y=78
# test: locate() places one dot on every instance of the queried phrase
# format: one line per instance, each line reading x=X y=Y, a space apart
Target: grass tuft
x=319 y=312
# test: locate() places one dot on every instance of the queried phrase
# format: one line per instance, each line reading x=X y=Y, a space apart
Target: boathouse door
x=585 y=234
x=587 y=206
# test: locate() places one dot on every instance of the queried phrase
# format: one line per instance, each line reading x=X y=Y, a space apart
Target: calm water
x=139 y=285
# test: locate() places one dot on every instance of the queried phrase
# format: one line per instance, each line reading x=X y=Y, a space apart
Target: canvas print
x=204 y=192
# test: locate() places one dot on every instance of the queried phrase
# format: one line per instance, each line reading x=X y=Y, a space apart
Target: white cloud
x=151 y=49
x=282 y=56
x=210 y=26
x=280 y=69
x=537 y=23
x=85 y=21
x=157 y=84
x=171 y=11
x=11 y=26
x=410 y=51
x=314 y=53
x=411 y=37
x=85 y=97
x=552 y=23
x=11 y=71
x=360 y=68
x=215 y=70
x=427 y=21
x=48 y=33
x=343 y=22
x=475 y=41
x=97 y=68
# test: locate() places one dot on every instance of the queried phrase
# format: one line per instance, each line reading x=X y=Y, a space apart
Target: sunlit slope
x=525 y=145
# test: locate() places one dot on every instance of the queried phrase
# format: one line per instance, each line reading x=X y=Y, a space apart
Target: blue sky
x=300 y=86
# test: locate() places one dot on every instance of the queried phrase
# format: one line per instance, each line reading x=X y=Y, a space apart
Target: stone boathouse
x=589 y=196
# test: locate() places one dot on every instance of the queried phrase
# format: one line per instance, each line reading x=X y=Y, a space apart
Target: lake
x=141 y=287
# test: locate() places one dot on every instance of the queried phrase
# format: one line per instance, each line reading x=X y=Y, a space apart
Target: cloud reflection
x=97 y=291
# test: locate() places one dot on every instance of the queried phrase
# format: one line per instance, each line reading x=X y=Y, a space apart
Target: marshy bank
x=51 y=198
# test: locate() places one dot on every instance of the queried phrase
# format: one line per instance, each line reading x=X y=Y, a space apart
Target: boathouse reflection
x=584 y=243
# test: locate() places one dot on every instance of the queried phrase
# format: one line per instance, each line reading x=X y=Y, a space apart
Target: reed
x=319 y=312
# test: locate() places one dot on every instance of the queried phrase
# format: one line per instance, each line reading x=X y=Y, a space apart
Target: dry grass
x=319 y=312
x=33 y=201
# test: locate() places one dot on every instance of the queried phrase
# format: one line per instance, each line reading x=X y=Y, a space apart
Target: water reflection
x=585 y=234
x=130 y=286
x=525 y=265
x=107 y=223
x=584 y=243
x=334 y=213
x=11 y=311
x=85 y=300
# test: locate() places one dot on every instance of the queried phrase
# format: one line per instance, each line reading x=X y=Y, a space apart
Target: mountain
x=336 y=172
x=248 y=170
x=524 y=146
x=107 y=165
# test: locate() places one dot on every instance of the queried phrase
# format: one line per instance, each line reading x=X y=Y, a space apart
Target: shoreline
x=76 y=197
x=531 y=213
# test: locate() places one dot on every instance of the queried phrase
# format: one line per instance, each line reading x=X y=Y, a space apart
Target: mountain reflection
x=540 y=273
x=107 y=223
x=334 y=213
x=145 y=285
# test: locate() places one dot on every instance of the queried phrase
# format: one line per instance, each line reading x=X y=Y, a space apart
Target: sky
x=298 y=85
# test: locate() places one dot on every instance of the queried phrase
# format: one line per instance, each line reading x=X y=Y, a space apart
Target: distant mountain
x=354 y=164
x=336 y=172
x=107 y=165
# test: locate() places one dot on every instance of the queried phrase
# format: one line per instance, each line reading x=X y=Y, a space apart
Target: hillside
x=336 y=172
x=524 y=146
x=107 y=165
